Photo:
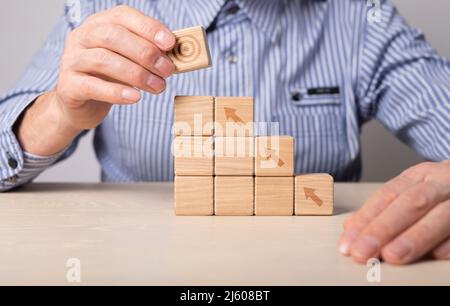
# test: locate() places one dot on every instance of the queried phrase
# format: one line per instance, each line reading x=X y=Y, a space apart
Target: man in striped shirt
x=319 y=68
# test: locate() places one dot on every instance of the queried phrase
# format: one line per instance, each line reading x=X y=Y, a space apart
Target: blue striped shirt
x=281 y=52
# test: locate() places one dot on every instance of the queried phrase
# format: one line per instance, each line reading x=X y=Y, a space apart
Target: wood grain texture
x=127 y=234
x=274 y=156
x=191 y=51
x=233 y=195
x=314 y=195
x=194 y=196
x=194 y=116
x=274 y=196
x=234 y=156
x=194 y=155
x=234 y=116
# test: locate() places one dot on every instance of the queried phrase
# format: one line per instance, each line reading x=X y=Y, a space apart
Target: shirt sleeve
x=405 y=84
x=18 y=167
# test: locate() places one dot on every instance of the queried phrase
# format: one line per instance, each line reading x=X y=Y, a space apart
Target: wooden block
x=194 y=155
x=234 y=116
x=314 y=195
x=194 y=116
x=233 y=195
x=191 y=51
x=194 y=195
x=274 y=156
x=274 y=196
x=234 y=156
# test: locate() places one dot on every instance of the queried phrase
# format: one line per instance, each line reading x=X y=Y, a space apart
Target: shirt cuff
x=32 y=166
x=16 y=166
x=11 y=155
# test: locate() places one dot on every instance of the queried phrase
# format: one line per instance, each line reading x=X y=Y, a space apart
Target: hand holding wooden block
x=274 y=156
x=314 y=195
x=191 y=51
x=234 y=156
x=194 y=155
x=194 y=116
x=234 y=116
x=274 y=196
x=233 y=195
x=194 y=195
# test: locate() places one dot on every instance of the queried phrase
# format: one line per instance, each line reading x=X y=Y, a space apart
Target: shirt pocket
x=316 y=119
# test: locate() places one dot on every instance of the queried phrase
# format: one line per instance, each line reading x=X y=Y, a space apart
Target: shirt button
x=13 y=163
x=296 y=96
x=233 y=10
x=232 y=59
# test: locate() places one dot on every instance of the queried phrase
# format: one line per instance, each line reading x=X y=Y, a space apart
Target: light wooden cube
x=274 y=156
x=191 y=51
x=314 y=195
x=194 y=195
x=194 y=116
x=234 y=116
x=233 y=195
x=274 y=196
x=234 y=156
x=194 y=155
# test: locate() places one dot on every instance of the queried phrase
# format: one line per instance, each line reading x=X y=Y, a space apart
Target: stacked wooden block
x=222 y=169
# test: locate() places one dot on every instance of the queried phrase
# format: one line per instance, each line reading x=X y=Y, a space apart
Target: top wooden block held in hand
x=191 y=51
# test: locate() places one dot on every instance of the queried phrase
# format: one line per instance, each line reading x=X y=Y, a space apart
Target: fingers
x=92 y=88
x=404 y=220
x=406 y=210
x=138 y=23
x=443 y=250
x=119 y=40
x=419 y=239
x=377 y=203
x=115 y=67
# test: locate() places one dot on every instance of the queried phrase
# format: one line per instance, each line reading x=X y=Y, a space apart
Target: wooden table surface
x=128 y=234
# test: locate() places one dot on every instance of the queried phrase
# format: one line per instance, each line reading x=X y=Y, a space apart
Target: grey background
x=24 y=25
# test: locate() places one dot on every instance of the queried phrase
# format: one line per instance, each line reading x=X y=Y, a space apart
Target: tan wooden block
x=234 y=116
x=314 y=195
x=233 y=195
x=194 y=195
x=191 y=51
x=194 y=155
x=194 y=116
x=274 y=156
x=274 y=196
x=234 y=156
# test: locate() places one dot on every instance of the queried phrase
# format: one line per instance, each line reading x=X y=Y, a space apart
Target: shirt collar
x=265 y=14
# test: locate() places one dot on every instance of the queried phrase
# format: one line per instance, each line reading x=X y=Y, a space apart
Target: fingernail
x=165 y=66
x=400 y=248
x=346 y=241
x=156 y=83
x=131 y=95
x=366 y=247
x=165 y=39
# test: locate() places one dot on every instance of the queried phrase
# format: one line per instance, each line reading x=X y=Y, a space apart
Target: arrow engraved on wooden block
x=271 y=155
x=311 y=194
x=230 y=113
